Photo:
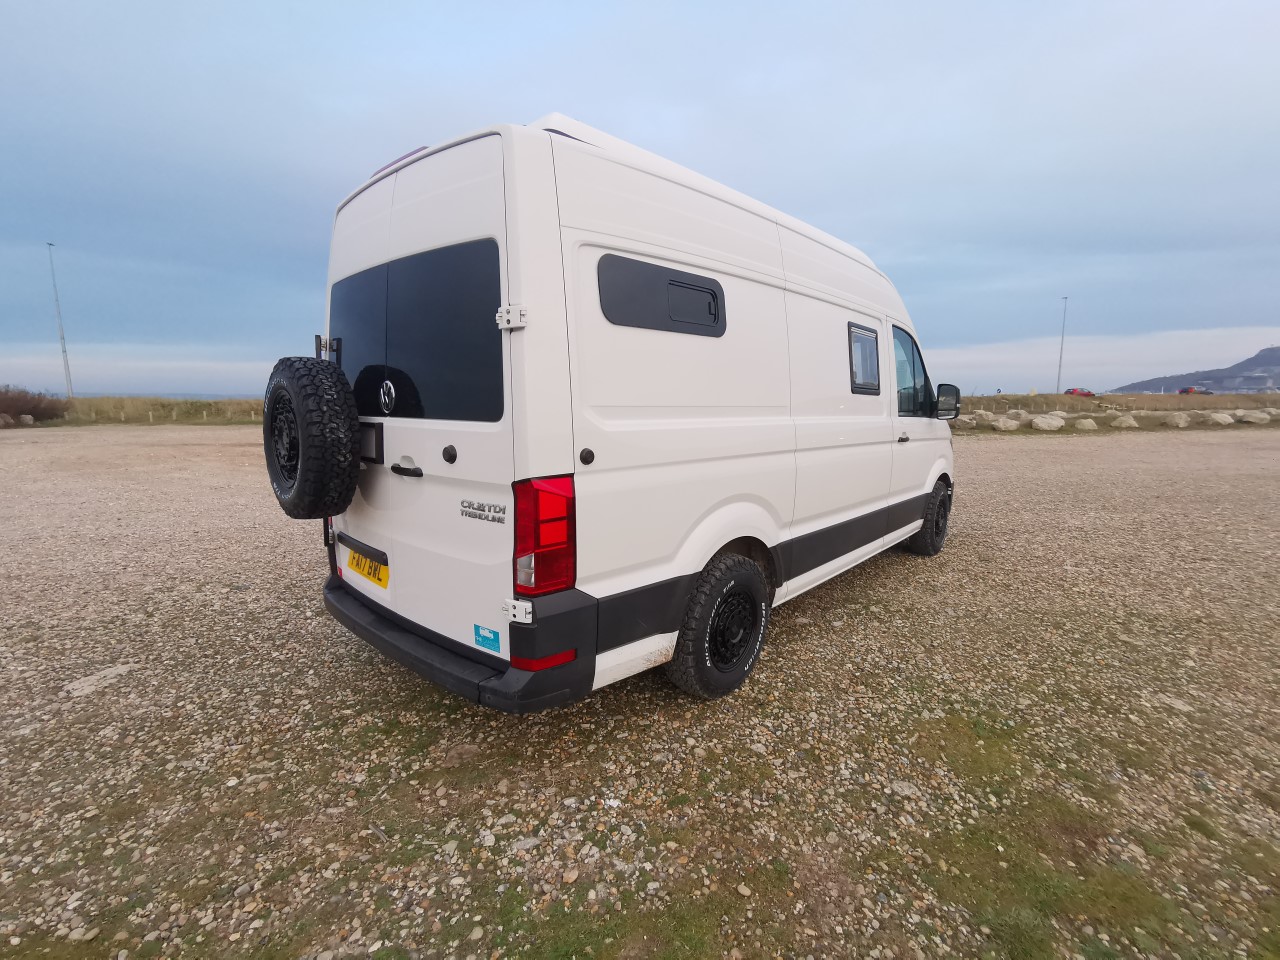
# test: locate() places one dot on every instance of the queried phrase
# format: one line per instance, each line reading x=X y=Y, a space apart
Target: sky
x=186 y=160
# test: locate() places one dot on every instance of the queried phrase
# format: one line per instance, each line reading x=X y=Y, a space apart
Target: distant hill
x=1260 y=373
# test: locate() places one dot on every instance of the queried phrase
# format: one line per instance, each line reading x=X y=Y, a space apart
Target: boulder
x=1018 y=414
x=964 y=422
x=1271 y=411
x=984 y=416
x=1238 y=413
x=1085 y=424
x=27 y=420
x=1005 y=425
x=1047 y=422
x=1253 y=416
x=1125 y=423
x=1061 y=414
x=1178 y=420
x=5 y=421
x=1219 y=419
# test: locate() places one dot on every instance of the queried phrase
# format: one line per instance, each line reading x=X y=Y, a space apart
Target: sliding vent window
x=634 y=293
x=864 y=360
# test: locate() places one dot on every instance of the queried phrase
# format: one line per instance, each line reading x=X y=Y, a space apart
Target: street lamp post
x=1062 y=342
x=62 y=337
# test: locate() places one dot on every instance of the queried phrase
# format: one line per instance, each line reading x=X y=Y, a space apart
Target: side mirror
x=948 y=406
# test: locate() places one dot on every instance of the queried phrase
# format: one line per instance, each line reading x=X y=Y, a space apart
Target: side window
x=634 y=293
x=864 y=360
x=915 y=393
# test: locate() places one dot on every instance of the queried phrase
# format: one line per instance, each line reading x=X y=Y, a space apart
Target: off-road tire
x=724 y=592
x=314 y=464
x=929 y=539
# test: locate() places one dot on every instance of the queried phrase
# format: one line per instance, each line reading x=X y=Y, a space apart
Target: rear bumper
x=562 y=621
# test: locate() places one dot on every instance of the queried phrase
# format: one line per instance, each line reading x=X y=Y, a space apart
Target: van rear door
x=418 y=273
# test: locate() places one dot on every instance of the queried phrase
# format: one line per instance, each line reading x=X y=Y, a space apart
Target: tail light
x=546 y=541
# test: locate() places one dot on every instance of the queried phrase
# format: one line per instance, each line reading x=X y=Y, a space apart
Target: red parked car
x=1079 y=392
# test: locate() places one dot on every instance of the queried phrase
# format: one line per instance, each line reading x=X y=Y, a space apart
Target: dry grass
x=1048 y=402
x=90 y=410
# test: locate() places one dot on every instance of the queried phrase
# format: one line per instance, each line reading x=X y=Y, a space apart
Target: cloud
x=989 y=156
x=1095 y=362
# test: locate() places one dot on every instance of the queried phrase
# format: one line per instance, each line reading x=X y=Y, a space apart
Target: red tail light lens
x=546 y=541
x=544 y=663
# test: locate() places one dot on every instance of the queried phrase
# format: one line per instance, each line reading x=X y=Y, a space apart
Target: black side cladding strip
x=642 y=612
x=659 y=607
x=373 y=553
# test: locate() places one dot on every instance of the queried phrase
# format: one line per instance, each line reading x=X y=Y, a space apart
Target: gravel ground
x=1058 y=738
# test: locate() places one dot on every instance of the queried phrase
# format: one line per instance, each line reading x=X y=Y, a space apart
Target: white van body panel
x=677 y=444
x=447 y=571
x=675 y=426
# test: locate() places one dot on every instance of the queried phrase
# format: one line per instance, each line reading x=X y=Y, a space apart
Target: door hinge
x=518 y=611
x=512 y=317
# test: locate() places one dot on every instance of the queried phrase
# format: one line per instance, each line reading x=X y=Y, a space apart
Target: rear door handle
x=404 y=471
x=902 y=439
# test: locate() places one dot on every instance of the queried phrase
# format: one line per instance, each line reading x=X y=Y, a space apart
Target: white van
x=580 y=412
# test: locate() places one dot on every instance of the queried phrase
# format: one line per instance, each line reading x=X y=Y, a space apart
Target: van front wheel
x=928 y=540
x=723 y=631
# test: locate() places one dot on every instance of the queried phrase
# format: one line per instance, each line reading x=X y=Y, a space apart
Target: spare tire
x=311 y=437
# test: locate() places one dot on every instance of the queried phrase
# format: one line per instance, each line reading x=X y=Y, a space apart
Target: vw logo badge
x=387 y=397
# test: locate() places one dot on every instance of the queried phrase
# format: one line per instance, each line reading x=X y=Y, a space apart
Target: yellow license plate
x=369 y=569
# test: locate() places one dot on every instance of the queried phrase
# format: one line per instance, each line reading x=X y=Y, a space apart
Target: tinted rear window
x=358 y=315
x=425 y=324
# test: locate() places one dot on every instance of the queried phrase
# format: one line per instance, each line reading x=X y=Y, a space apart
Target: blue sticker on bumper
x=487 y=639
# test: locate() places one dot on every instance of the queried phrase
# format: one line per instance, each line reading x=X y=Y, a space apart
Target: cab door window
x=915 y=393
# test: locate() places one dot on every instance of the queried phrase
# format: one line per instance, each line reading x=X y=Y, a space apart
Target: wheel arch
x=755 y=549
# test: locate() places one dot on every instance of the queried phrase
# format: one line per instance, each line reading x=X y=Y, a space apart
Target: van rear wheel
x=928 y=540
x=723 y=631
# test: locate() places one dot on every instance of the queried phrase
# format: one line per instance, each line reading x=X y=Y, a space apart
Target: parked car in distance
x=1207 y=393
x=1079 y=392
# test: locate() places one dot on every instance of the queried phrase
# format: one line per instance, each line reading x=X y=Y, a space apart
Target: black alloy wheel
x=929 y=539
x=724 y=625
x=311 y=438
x=284 y=437
x=733 y=624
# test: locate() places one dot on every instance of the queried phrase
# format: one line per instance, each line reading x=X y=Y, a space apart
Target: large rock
x=1047 y=422
x=5 y=421
x=984 y=416
x=1178 y=420
x=1018 y=414
x=1271 y=411
x=1005 y=425
x=1253 y=416
x=1219 y=419
x=1125 y=423
x=27 y=420
x=1085 y=424
x=964 y=422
